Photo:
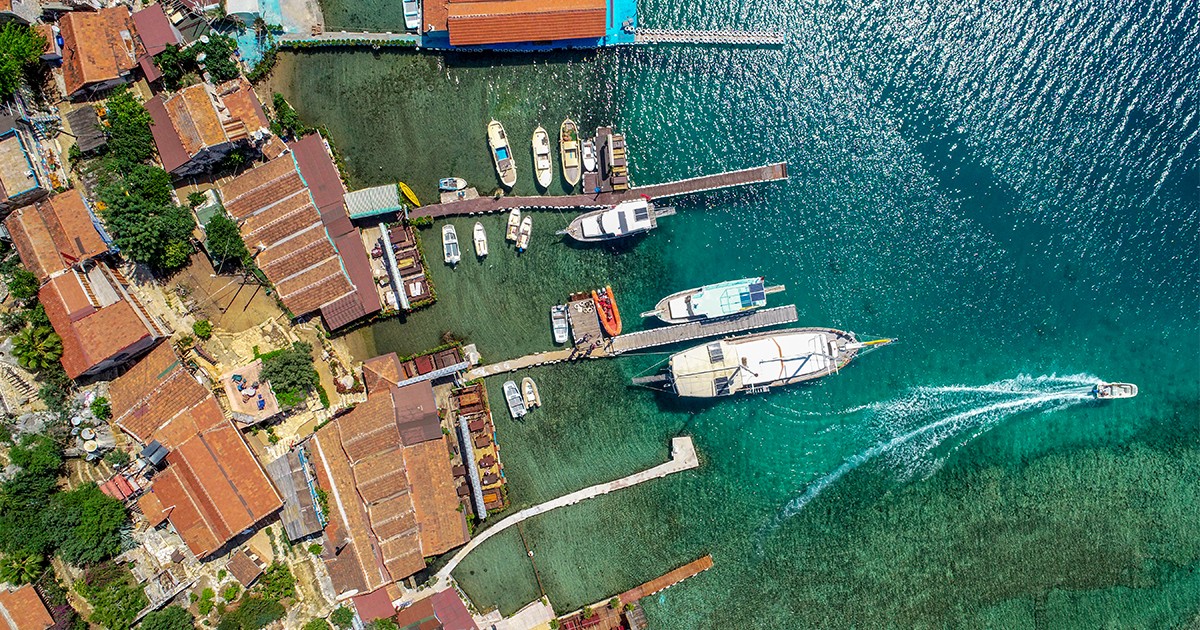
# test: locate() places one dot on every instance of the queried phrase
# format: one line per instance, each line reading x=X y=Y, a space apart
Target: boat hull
x=515 y=400
x=543 y=167
x=514 y=225
x=560 y=325
x=481 y=244
x=451 y=184
x=409 y=194
x=525 y=233
x=1114 y=391
x=501 y=154
x=529 y=390
x=568 y=152
x=606 y=309
x=450 y=250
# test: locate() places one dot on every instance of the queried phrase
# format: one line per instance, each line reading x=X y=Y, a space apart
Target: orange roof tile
x=195 y=118
x=434 y=499
x=504 y=21
x=90 y=336
x=97 y=47
x=152 y=392
x=243 y=104
x=381 y=370
x=255 y=179
x=55 y=234
x=22 y=609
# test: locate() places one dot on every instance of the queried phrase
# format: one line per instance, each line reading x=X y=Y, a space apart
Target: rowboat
x=514 y=225
x=480 y=241
x=541 y=157
x=409 y=194
x=606 y=309
x=532 y=397
x=559 y=323
x=451 y=184
x=568 y=151
x=589 y=156
x=450 y=245
x=524 y=234
x=501 y=154
x=516 y=402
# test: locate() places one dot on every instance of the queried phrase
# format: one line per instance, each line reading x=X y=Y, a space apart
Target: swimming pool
x=502 y=153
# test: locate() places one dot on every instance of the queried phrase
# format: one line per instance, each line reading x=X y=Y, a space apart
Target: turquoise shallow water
x=1009 y=188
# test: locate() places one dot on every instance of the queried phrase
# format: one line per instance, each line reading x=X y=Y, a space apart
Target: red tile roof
x=451 y=611
x=22 y=609
x=374 y=605
x=152 y=392
x=154 y=30
x=170 y=146
x=506 y=21
x=381 y=370
x=54 y=234
x=90 y=335
x=97 y=47
x=201 y=116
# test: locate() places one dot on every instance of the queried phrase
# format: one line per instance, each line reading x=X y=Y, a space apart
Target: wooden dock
x=671 y=578
x=483 y=205
x=690 y=331
x=726 y=37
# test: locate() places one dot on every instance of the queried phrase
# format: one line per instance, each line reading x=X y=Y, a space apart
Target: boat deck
x=690 y=331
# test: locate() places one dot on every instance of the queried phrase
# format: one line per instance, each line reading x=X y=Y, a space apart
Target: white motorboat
x=559 y=323
x=541 y=157
x=624 y=219
x=514 y=225
x=568 y=151
x=524 y=234
x=1109 y=391
x=481 y=250
x=506 y=168
x=532 y=397
x=712 y=301
x=451 y=184
x=450 y=245
x=516 y=402
x=589 y=156
x=412 y=15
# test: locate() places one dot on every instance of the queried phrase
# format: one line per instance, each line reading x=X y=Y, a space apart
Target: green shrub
x=203 y=329
x=101 y=408
x=115 y=597
x=22 y=284
x=315 y=549
x=205 y=604
x=251 y=614
x=231 y=591
x=317 y=624
x=117 y=458
x=169 y=618
x=276 y=582
x=342 y=617
x=291 y=373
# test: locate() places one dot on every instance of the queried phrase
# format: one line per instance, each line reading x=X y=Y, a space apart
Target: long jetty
x=726 y=37
x=667 y=580
x=483 y=205
x=683 y=457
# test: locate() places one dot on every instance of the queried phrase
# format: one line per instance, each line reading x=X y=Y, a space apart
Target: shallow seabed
x=1009 y=188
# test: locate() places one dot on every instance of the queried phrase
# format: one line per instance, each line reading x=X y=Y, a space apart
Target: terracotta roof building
x=22 y=180
x=386 y=466
x=55 y=234
x=154 y=33
x=290 y=215
x=99 y=49
x=22 y=609
x=201 y=125
x=473 y=22
x=212 y=488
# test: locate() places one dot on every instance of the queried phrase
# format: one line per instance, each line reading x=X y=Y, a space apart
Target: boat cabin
x=630 y=217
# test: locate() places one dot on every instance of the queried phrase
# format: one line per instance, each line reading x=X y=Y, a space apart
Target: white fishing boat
x=1109 y=391
x=412 y=15
x=480 y=241
x=713 y=301
x=532 y=397
x=501 y=154
x=450 y=245
x=568 y=151
x=624 y=219
x=516 y=402
x=589 y=156
x=541 y=157
x=524 y=234
x=514 y=225
x=559 y=323
x=451 y=184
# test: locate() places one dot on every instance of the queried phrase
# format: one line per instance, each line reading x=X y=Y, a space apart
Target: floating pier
x=667 y=580
x=729 y=38
x=678 y=333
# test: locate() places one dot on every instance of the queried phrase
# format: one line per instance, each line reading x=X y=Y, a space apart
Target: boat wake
x=918 y=424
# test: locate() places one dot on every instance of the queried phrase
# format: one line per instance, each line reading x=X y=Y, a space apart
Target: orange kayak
x=606 y=308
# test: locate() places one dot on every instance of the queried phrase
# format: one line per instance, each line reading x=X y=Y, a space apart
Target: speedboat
x=589 y=156
x=541 y=157
x=606 y=308
x=451 y=184
x=514 y=225
x=412 y=15
x=1107 y=391
x=524 y=234
x=408 y=193
x=713 y=301
x=516 y=402
x=532 y=397
x=450 y=245
x=568 y=151
x=501 y=154
x=480 y=241
x=559 y=323
x=624 y=219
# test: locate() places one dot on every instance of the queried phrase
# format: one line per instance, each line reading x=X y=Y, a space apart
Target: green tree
x=20 y=48
x=37 y=349
x=87 y=523
x=252 y=613
x=101 y=408
x=116 y=598
x=290 y=372
x=36 y=316
x=130 y=140
x=154 y=234
x=342 y=617
x=276 y=582
x=316 y=624
x=203 y=329
x=224 y=241
x=22 y=284
x=20 y=568
x=231 y=591
x=287 y=122
x=25 y=497
x=169 y=618
x=383 y=624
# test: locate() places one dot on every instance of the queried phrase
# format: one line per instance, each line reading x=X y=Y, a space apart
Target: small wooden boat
x=514 y=399
x=532 y=397
x=502 y=154
x=1109 y=391
x=568 y=151
x=514 y=225
x=451 y=184
x=409 y=194
x=541 y=157
x=559 y=323
x=606 y=308
x=450 y=245
x=524 y=234
x=589 y=156
x=480 y=241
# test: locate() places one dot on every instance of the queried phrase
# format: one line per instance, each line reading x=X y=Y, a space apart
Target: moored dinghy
x=501 y=154
x=514 y=225
x=559 y=323
x=568 y=151
x=525 y=233
x=589 y=156
x=450 y=249
x=451 y=184
x=530 y=389
x=481 y=250
x=541 y=157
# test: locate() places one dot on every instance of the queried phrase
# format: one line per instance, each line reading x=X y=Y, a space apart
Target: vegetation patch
x=291 y=373
x=115 y=597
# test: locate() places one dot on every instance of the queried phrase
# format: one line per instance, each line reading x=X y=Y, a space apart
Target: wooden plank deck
x=667 y=335
x=483 y=205
x=671 y=578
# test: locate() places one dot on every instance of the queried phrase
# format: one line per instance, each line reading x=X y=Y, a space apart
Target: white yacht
x=450 y=245
x=481 y=250
x=624 y=219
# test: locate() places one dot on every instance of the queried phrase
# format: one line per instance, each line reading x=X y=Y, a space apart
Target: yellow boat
x=409 y=194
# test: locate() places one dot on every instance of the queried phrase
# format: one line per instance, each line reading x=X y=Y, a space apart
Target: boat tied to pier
x=560 y=325
x=501 y=154
x=451 y=184
x=514 y=399
x=755 y=363
x=524 y=233
x=532 y=397
x=481 y=245
x=409 y=194
x=606 y=309
x=713 y=301
x=1110 y=391
x=543 y=167
x=589 y=156
x=412 y=15
x=450 y=249
x=568 y=152
x=622 y=220
x=514 y=225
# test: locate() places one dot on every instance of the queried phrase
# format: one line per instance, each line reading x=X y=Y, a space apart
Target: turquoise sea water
x=1009 y=188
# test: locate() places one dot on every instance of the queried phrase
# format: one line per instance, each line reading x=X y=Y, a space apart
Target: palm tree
x=20 y=570
x=37 y=348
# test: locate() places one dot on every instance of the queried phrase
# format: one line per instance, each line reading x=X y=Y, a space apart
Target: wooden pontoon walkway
x=667 y=335
x=733 y=38
x=671 y=578
x=756 y=175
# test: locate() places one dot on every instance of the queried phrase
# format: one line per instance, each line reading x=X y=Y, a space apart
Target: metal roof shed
x=370 y=202
x=85 y=125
